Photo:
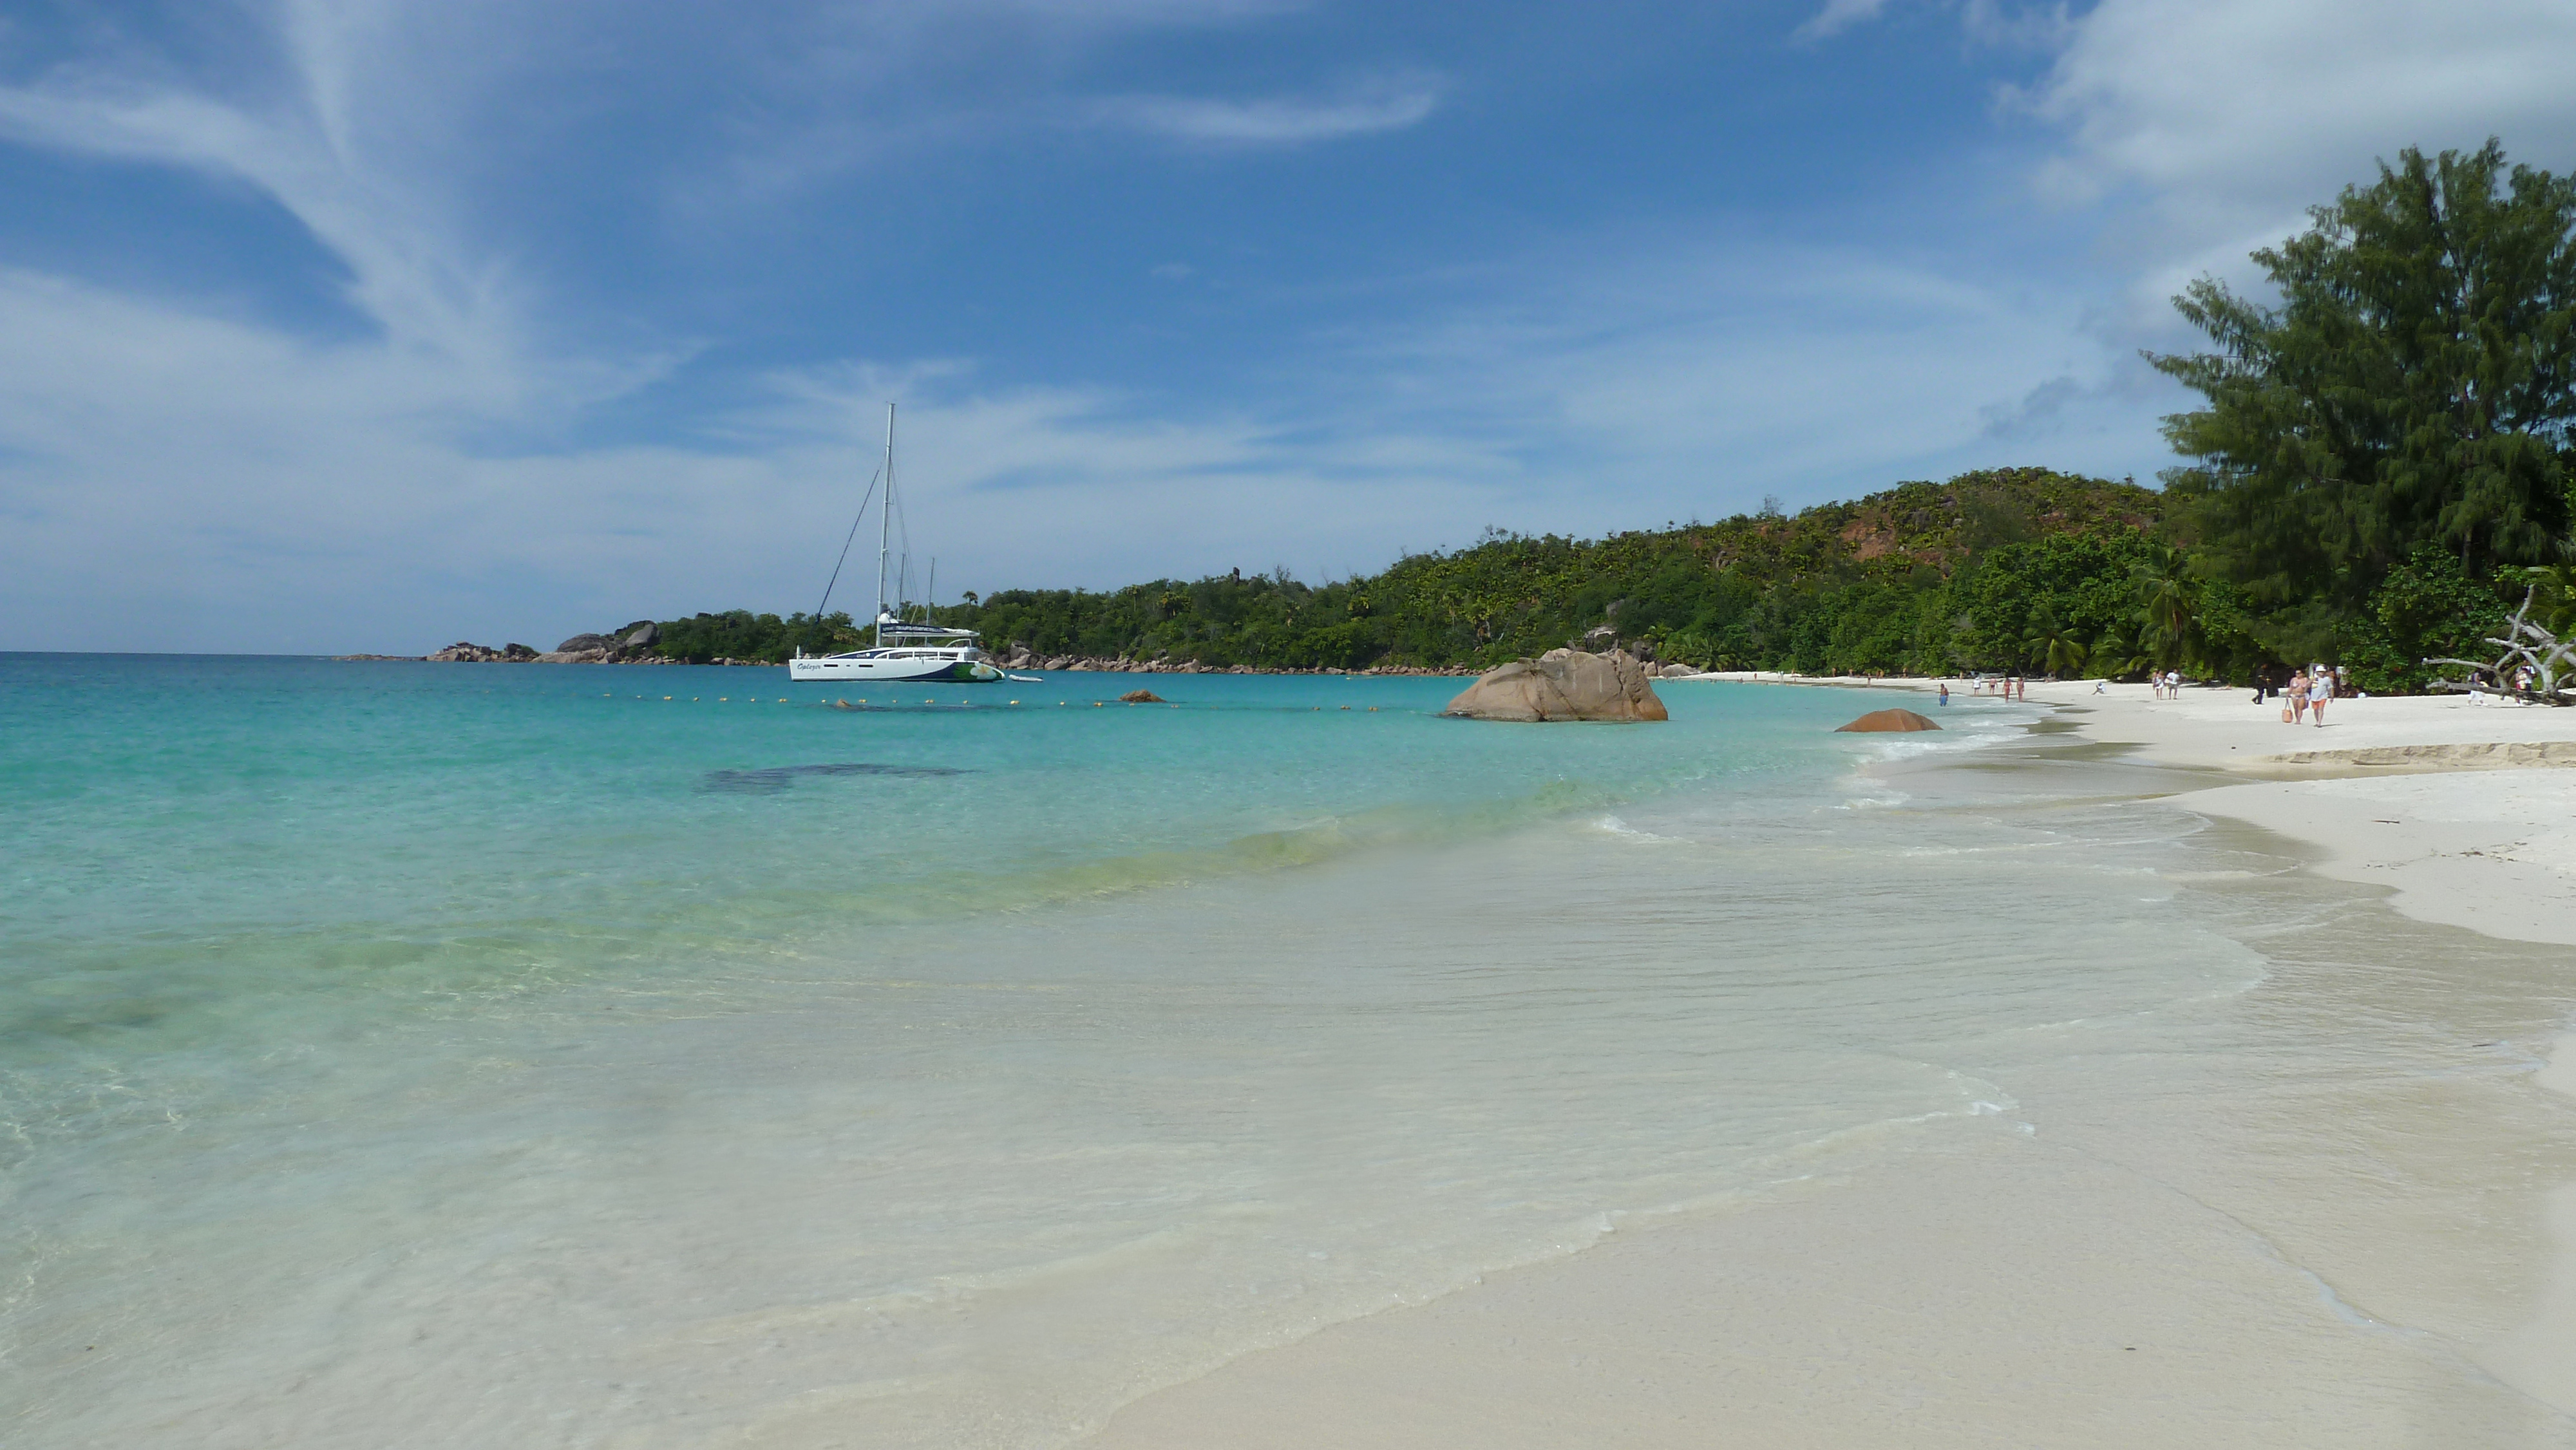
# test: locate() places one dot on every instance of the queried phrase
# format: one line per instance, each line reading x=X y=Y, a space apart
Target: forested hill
x=1991 y=569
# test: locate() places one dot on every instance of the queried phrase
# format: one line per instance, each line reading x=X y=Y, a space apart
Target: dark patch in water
x=778 y=777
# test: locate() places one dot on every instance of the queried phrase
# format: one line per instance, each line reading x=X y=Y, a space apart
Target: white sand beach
x=2220 y=1251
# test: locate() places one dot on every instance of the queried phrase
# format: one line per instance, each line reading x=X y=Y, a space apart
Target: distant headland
x=2024 y=570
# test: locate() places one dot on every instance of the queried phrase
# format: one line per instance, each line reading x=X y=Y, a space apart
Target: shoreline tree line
x=2380 y=468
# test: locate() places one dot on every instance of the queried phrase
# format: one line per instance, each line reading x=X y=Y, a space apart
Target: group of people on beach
x=2303 y=699
x=2518 y=689
x=2309 y=691
x=2010 y=687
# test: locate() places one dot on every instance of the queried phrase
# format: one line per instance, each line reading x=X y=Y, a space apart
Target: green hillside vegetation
x=2385 y=463
x=1912 y=579
x=2007 y=569
x=2020 y=569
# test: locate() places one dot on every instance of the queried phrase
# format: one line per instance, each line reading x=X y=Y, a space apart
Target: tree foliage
x=2007 y=568
x=739 y=634
x=2414 y=386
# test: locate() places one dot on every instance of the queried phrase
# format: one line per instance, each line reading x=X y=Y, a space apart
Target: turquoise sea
x=402 y=1054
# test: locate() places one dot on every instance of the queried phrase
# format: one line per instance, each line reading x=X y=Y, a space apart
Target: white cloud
x=1839 y=16
x=2233 y=115
x=1988 y=22
x=2228 y=118
x=1391 y=104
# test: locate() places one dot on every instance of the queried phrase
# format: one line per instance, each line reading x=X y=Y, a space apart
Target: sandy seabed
x=2269 y=1252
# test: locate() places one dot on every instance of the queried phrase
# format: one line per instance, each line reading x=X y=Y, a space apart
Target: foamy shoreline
x=1955 y=1302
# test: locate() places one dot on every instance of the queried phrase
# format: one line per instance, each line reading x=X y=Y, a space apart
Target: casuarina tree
x=2413 y=384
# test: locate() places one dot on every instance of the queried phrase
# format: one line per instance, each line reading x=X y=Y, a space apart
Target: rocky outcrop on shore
x=1563 y=684
x=632 y=645
x=469 y=653
x=634 y=642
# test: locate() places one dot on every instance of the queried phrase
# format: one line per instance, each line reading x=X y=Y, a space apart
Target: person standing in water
x=1945 y=692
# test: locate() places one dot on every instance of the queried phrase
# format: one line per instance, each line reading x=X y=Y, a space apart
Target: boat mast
x=885 y=524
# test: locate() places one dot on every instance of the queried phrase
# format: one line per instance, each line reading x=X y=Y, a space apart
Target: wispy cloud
x=411 y=270
x=1839 y=16
x=1383 y=104
x=1987 y=22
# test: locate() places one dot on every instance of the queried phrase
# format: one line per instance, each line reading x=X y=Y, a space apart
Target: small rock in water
x=1141 y=697
x=1887 y=721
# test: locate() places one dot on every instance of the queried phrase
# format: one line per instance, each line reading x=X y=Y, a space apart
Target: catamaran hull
x=829 y=671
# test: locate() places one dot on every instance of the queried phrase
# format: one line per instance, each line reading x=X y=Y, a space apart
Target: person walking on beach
x=2298 y=697
x=2319 y=693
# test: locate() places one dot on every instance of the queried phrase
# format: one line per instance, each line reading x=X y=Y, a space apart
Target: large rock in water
x=1882 y=721
x=1563 y=684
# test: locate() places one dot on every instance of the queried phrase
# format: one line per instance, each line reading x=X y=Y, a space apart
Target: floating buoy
x=666 y=697
x=1015 y=702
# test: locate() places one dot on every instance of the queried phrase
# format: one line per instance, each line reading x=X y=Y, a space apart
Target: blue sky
x=378 y=325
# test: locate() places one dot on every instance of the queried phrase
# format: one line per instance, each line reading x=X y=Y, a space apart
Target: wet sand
x=2340 y=1212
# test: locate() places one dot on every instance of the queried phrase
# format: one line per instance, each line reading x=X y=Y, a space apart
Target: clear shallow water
x=187 y=833
x=419 y=1055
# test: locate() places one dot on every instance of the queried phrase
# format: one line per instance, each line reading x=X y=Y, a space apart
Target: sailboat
x=903 y=651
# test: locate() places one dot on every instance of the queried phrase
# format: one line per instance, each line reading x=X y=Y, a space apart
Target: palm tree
x=2058 y=651
x=2168 y=607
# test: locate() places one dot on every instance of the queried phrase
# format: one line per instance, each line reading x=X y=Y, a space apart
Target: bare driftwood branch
x=2527 y=644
